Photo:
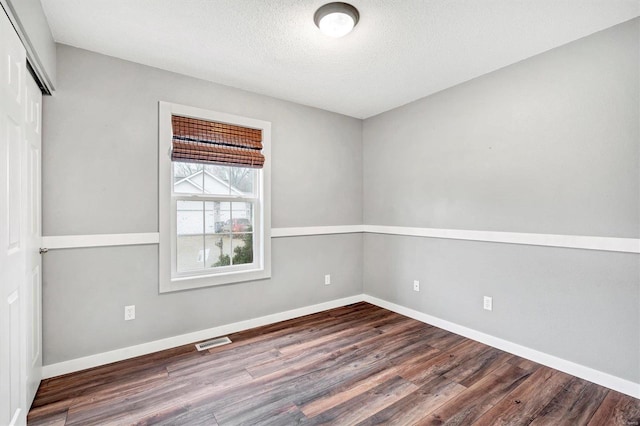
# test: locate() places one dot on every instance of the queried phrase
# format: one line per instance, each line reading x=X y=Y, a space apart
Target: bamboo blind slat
x=201 y=141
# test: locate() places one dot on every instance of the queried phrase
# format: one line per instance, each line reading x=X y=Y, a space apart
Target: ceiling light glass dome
x=336 y=19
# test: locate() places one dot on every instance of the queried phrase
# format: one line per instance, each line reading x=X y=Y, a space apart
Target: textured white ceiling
x=400 y=51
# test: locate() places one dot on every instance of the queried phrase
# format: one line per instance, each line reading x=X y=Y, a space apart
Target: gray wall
x=100 y=165
x=85 y=292
x=547 y=145
x=41 y=47
x=100 y=161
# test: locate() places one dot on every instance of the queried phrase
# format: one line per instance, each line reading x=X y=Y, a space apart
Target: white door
x=19 y=202
x=33 y=238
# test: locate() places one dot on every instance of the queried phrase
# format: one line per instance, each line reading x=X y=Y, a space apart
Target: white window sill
x=200 y=281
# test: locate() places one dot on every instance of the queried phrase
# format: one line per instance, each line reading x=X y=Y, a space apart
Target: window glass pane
x=242 y=248
x=187 y=178
x=241 y=217
x=242 y=180
x=216 y=180
x=216 y=215
x=224 y=224
x=190 y=249
x=225 y=180
x=220 y=249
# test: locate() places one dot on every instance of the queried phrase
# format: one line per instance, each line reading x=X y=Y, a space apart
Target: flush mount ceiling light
x=336 y=19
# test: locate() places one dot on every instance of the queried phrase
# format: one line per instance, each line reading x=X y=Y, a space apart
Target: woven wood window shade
x=201 y=141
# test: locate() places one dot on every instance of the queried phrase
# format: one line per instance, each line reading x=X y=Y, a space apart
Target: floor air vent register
x=213 y=343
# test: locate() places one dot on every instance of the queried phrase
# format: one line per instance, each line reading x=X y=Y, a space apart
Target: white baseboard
x=604 y=379
x=90 y=361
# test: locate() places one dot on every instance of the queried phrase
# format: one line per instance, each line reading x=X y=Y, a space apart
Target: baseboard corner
x=607 y=380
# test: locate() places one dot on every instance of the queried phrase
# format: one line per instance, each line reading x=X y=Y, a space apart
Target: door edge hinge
x=43 y=250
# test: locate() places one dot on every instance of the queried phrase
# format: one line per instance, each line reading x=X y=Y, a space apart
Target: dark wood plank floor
x=359 y=364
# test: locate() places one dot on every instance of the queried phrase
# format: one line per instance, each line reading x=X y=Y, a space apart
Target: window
x=214 y=198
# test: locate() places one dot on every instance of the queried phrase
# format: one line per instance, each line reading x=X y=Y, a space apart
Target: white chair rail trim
x=624 y=245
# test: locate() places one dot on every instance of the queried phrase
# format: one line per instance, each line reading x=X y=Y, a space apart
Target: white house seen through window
x=214 y=216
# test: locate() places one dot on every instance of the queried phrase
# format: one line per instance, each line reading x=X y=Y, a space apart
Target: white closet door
x=20 y=357
x=33 y=267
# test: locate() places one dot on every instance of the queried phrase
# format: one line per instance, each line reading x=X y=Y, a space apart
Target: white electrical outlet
x=129 y=312
x=327 y=279
x=488 y=303
x=416 y=285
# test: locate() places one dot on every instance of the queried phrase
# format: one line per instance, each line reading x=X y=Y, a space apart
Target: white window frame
x=170 y=280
